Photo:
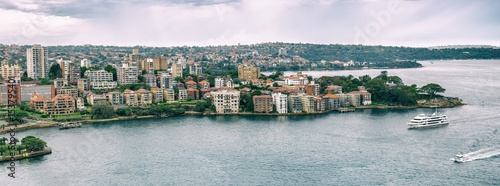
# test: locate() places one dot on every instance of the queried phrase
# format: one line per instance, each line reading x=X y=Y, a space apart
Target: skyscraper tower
x=135 y=61
x=37 y=62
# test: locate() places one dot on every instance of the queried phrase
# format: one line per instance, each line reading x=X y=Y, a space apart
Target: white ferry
x=423 y=120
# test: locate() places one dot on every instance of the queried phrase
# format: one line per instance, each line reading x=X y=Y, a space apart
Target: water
x=366 y=147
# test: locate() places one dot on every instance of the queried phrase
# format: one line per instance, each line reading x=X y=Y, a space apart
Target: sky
x=416 y=23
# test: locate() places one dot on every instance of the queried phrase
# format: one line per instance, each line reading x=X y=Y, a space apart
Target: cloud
x=219 y=22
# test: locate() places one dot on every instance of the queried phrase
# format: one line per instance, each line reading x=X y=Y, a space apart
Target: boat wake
x=482 y=154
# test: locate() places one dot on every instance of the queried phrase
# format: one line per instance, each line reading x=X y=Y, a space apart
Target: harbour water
x=366 y=147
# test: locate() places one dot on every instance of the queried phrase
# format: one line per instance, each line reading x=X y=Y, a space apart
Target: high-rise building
x=248 y=72
x=74 y=73
x=126 y=75
x=176 y=70
x=281 y=102
x=160 y=63
x=148 y=65
x=64 y=64
x=37 y=62
x=135 y=60
x=312 y=89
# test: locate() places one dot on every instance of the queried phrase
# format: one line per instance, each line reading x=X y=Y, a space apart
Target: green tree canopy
x=45 y=81
x=431 y=89
x=102 y=110
x=55 y=71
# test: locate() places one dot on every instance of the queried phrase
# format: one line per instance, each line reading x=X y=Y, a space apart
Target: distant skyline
x=415 y=23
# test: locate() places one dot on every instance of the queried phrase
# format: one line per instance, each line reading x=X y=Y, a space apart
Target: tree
x=141 y=79
x=55 y=71
x=19 y=115
x=3 y=141
x=3 y=149
x=124 y=111
x=309 y=78
x=25 y=106
x=200 y=107
x=25 y=77
x=431 y=89
x=112 y=70
x=19 y=148
x=82 y=71
x=45 y=81
x=102 y=110
x=179 y=79
x=33 y=143
x=144 y=72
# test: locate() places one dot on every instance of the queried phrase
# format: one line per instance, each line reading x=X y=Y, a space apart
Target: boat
x=423 y=120
x=460 y=158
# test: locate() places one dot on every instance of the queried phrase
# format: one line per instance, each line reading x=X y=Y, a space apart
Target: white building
x=281 y=102
x=99 y=75
x=296 y=81
x=37 y=62
x=219 y=82
x=226 y=101
x=85 y=63
x=103 y=85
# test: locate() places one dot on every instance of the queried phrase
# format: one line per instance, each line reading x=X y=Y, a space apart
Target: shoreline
x=29 y=155
x=192 y=113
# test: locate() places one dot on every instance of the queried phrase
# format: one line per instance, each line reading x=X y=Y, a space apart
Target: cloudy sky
x=220 y=22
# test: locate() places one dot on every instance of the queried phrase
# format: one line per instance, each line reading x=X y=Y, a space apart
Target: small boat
x=460 y=158
x=423 y=120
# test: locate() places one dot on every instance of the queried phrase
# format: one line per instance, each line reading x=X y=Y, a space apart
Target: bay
x=366 y=147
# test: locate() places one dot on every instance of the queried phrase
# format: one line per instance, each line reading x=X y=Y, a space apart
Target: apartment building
x=263 y=103
x=99 y=75
x=226 y=101
x=281 y=102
